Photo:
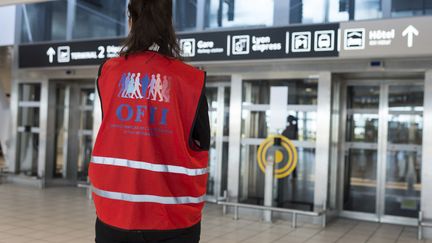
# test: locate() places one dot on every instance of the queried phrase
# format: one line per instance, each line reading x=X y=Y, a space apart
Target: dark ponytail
x=151 y=22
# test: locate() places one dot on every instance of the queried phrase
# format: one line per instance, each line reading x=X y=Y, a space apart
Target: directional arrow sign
x=51 y=53
x=410 y=31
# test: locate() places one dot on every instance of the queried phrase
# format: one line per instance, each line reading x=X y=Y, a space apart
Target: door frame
x=74 y=105
x=220 y=138
x=382 y=145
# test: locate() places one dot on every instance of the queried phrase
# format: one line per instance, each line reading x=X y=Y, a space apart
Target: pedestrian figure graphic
x=166 y=89
x=144 y=85
x=124 y=85
x=152 y=87
x=158 y=89
x=121 y=84
x=131 y=86
x=137 y=87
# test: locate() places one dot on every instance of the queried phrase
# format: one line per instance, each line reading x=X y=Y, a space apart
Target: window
x=99 y=18
x=343 y=10
x=185 y=14
x=44 y=21
x=307 y=11
x=403 y=8
x=236 y=13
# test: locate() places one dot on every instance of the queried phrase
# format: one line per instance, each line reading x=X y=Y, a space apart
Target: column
x=70 y=18
x=322 y=152
x=426 y=194
x=43 y=127
x=234 y=137
x=201 y=15
x=281 y=13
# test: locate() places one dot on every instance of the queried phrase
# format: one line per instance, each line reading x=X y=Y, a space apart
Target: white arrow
x=410 y=31
x=51 y=53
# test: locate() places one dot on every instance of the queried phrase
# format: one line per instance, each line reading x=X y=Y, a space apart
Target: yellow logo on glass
x=287 y=154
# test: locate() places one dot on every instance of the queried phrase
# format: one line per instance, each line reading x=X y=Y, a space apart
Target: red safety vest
x=144 y=174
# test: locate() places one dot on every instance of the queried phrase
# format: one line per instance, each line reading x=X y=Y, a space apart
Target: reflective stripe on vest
x=148 y=166
x=147 y=198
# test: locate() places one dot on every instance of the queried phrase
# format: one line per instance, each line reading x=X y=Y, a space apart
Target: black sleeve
x=97 y=86
x=201 y=129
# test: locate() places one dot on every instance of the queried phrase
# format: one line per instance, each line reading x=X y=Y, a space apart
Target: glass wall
x=235 y=13
x=107 y=18
x=344 y=10
x=185 y=14
x=307 y=11
x=48 y=21
x=403 y=8
x=44 y=21
x=99 y=18
x=297 y=190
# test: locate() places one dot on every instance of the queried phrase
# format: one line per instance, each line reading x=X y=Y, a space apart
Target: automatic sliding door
x=295 y=191
x=28 y=129
x=361 y=163
x=383 y=145
x=85 y=131
x=405 y=129
x=73 y=130
x=218 y=98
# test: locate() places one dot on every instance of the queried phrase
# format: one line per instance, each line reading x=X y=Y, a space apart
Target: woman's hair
x=151 y=23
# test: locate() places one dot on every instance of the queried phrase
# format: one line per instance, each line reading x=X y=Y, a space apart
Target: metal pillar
x=426 y=193
x=70 y=17
x=386 y=6
x=234 y=137
x=12 y=163
x=201 y=14
x=281 y=12
x=43 y=135
x=268 y=188
x=322 y=154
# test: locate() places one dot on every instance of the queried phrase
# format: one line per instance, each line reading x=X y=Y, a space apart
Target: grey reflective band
x=148 y=166
x=147 y=198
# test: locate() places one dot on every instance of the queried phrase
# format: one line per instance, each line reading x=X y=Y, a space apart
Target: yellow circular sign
x=288 y=154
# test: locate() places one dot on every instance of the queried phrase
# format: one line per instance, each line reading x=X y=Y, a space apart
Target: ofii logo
x=145 y=86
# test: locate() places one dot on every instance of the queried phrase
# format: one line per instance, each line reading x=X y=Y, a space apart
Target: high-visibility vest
x=144 y=172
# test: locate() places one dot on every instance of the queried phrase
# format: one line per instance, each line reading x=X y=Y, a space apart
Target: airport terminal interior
x=335 y=96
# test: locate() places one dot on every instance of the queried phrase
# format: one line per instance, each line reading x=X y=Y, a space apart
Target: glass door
x=383 y=143
x=218 y=98
x=361 y=148
x=85 y=130
x=295 y=191
x=73 y=129
x=404 y=151
x=28 y=129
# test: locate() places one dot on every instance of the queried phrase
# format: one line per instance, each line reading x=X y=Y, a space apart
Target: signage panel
x=408 y=37
x=387 y=38
x=306 y=41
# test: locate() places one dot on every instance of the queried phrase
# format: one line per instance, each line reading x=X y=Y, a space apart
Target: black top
x=200 y=140
x=201 y=129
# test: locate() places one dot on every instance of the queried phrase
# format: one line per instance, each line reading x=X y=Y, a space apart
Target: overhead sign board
x=305 y=41
x=359 y=39
x=387 y=38
x=79 y=53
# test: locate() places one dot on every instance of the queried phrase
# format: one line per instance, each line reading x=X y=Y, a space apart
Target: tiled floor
x=62 y=215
